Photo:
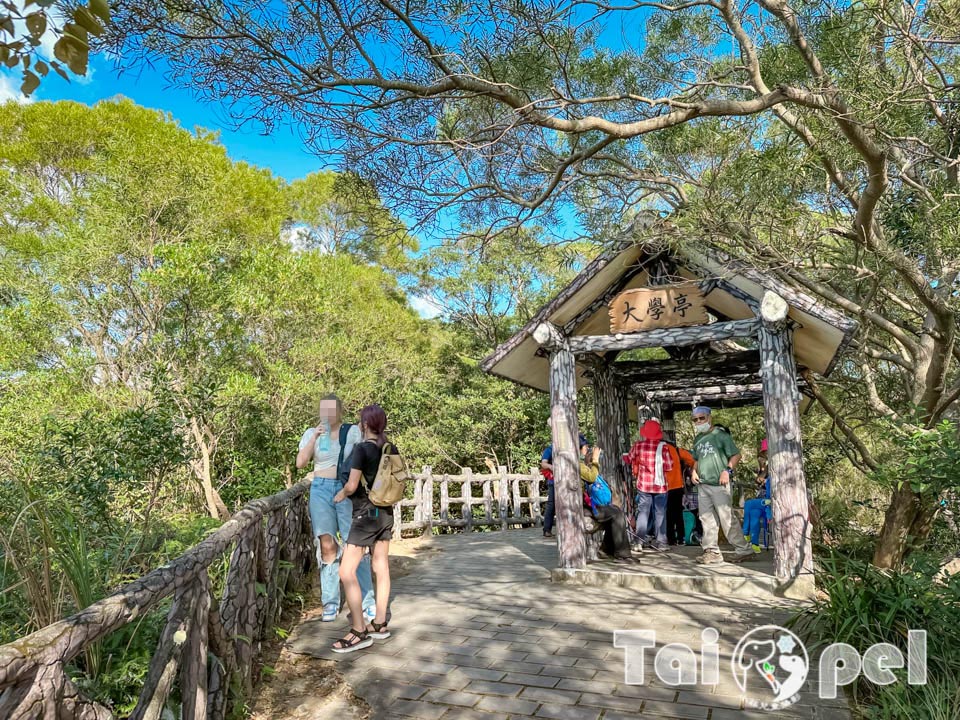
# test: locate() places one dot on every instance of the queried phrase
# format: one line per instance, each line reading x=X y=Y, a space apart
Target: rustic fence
x=206 y=651
x=466 y=501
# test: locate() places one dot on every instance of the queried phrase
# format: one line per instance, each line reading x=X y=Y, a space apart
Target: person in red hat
x=755 y=510
x=651 y=461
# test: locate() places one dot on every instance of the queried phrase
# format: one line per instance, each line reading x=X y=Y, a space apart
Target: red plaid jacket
x=643 y=462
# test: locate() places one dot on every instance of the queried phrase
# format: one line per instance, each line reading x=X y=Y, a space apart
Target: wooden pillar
x=792 y=550
x=610 y=415
x=568 y=489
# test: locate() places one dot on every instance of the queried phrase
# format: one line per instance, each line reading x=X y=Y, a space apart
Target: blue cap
x=583 y=440
x=701 y=410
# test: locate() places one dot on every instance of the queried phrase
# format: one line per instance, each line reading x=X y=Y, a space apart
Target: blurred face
x=701 y=422
x=762 y=457
x=329 y=411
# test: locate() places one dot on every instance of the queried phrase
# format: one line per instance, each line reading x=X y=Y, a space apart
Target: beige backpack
x=391 y=480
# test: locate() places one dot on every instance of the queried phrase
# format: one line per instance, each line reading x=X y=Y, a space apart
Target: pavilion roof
x=732 y=289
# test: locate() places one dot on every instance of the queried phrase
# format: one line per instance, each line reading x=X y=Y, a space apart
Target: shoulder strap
x=344 y=431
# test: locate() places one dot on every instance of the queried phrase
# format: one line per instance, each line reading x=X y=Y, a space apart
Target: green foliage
x=73 y=34
x=929 y=459
x=340 y=213
x=866 y=606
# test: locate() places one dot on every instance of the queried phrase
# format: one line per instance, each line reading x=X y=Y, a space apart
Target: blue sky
x=282 y=151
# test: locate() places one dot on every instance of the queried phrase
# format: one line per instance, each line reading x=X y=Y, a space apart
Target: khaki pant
x=716 y=511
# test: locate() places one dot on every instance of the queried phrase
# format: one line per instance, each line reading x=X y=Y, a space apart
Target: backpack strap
x=344 y=432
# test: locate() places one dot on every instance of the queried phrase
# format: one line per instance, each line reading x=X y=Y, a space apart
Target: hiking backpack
x=599 y=492
x=391 y=479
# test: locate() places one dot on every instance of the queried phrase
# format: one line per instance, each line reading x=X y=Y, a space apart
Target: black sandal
x=355 y=640
x=379 y=632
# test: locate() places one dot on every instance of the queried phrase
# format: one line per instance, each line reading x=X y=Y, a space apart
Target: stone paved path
x=481 y=632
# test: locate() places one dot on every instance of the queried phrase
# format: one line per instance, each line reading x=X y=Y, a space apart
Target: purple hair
x=374 y=419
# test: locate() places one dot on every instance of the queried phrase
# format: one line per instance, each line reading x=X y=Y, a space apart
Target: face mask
x=702 y=427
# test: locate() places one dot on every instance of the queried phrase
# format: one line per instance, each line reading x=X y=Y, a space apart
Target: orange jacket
x=675 y=474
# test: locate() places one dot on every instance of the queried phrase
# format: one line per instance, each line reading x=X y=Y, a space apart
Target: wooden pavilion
x=735 y=337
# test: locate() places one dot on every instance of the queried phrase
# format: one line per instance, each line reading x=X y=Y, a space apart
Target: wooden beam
x=718 y=365
x=673 y=337
x=793 y=555
x=568 y=489
x=679 y=395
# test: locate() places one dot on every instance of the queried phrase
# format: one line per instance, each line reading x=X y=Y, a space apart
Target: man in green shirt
x=717 y=457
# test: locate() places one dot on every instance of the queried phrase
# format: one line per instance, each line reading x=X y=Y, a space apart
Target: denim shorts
x=326 y=517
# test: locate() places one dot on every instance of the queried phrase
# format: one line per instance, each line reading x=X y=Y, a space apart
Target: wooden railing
x=449 y=501
x=208 y=646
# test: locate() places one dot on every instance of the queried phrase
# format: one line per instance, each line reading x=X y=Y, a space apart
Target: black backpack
x=343 y=472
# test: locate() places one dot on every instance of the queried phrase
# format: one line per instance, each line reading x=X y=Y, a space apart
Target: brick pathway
x=481 y=632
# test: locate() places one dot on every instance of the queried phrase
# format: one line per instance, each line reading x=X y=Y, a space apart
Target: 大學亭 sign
x=657 y=307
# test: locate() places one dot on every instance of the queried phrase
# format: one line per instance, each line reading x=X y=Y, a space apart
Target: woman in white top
x=329 y=445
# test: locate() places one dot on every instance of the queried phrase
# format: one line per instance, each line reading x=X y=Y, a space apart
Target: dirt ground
x=300 y=687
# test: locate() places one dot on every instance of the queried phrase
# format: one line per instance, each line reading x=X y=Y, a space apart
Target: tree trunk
x=909 y=519
x=202 y=471
x=792 y=546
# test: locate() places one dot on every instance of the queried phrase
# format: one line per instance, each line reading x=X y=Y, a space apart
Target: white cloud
x=426 y=307
x=10 y=90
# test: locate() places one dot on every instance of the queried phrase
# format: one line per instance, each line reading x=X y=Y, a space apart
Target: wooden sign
x=664 y=306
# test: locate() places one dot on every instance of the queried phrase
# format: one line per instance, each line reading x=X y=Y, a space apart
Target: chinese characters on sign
x=657 y=307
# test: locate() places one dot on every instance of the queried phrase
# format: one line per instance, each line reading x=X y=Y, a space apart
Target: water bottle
x=323 y=442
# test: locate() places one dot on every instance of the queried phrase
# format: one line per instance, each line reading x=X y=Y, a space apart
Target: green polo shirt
x=713 y=451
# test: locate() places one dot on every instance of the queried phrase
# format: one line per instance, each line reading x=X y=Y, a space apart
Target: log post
x=488 y=501
x=466 y=492
x=445 y=500
x=503 y=492
x=223 y=665
x=535 y=500
x=426 y=501
x=610 y=413
x=792 y=551
x=166 y=660
x=239 y=606
x=193 y=674
x=517 y=506
x=568 y=489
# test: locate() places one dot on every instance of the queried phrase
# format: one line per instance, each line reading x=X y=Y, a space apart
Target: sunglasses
x=700 y=418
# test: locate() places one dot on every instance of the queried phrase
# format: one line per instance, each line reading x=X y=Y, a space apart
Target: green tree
x=490 y=286
x=816 y=140
x=339 y=212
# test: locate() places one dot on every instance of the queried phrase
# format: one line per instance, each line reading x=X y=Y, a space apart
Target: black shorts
x=370 y=524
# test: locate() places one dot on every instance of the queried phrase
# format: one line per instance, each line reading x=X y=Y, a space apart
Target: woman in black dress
x=372 y=528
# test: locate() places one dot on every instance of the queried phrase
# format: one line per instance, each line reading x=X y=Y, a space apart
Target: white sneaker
x=330 y=612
